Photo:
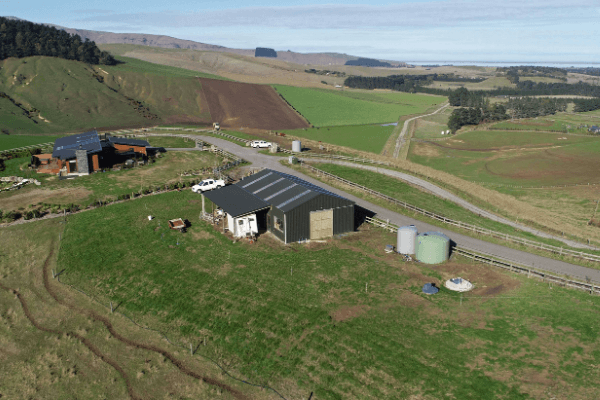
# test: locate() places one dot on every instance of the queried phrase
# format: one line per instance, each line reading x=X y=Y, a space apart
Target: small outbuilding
x=285 y=205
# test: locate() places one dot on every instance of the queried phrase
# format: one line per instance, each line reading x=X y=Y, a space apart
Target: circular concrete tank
x=432 y=248
x=296 y=146
x=407 y=237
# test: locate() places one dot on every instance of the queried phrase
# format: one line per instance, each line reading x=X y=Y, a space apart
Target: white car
x=260 y=144
x=208 y=184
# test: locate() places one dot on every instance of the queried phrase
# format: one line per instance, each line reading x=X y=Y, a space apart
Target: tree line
x=475 y=108
x=418 y=83
x=403 y=83
x=476 y=115
x=25 y=39
x=593 y=71
x=583 y=105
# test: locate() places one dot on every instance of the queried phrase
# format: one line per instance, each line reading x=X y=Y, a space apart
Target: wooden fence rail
x=473 y=228
x=589 y=286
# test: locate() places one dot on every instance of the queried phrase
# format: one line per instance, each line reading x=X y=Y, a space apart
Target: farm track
x=400 y=141
x=444 y=194
x=108 y=325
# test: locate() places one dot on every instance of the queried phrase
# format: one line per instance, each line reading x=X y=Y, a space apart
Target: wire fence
x=472 y=228
x=588 y=286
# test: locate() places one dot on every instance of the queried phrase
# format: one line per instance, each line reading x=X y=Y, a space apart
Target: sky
x=550 y=31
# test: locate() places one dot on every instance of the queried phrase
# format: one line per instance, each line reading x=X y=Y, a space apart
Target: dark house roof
x=128 y=142
x=64 y=148
x=281 y=190
x=236 y=201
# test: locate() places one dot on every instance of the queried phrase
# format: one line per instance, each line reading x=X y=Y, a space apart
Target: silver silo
x=407 y=237
x=296 y=146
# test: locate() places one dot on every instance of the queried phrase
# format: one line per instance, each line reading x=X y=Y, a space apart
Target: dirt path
x=400 y=141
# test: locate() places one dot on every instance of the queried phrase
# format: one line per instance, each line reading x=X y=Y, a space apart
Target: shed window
x=278 y=224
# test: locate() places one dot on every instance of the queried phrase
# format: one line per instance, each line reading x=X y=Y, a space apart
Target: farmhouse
x=288 y=207
x=85 y=153
x=594 y=129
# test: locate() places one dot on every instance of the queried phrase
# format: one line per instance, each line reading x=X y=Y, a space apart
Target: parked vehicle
x=260 y=144
x=208 y=184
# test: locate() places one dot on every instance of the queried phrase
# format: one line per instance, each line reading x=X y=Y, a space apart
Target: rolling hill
x=45 y=95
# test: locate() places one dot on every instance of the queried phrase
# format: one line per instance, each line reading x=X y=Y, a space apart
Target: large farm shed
x=289 y=207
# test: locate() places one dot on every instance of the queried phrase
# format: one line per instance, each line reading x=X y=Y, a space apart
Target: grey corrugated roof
x=283 y=191
x=236 y=201
x=127 y=141
x=64 y=148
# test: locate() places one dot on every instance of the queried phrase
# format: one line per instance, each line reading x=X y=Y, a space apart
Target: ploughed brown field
x=245 y=105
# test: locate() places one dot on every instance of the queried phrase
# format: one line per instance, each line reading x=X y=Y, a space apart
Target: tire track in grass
x=176 y=362
x=83 y=340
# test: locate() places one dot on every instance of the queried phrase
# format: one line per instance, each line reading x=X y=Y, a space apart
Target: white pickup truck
x=208 y=184
x=260 y=144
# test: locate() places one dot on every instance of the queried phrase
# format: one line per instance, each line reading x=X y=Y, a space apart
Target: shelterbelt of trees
x=25 y=39
x=524 y=87
x=475 y=108
x=402 y=83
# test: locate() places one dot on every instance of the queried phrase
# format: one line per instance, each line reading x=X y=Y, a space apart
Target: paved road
x=521 y=257
x=439 y=192
x=400 y=141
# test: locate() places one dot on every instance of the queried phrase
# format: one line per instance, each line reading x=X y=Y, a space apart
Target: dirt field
x=243 y=105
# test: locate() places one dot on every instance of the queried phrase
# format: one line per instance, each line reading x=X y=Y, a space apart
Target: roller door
x=321 y=224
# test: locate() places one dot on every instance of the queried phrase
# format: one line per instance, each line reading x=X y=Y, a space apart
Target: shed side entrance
x=321 y=224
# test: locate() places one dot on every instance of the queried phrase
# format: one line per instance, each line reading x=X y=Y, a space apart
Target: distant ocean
x=508 y=63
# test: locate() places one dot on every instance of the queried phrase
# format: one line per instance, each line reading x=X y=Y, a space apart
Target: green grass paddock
x=370 y=138
x=330 y=108
x=270 y=323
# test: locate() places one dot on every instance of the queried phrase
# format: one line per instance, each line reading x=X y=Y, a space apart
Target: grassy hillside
x=330 y=108
x=45 y=95
x=134 y=65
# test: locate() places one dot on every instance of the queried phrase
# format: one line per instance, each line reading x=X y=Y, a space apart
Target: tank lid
x=408 y=228
x=436 y=234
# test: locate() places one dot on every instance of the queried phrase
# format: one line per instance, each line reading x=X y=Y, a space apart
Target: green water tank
x=432 y=248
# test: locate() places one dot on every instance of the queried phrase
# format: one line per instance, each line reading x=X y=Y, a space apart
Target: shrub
x=12 y=216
